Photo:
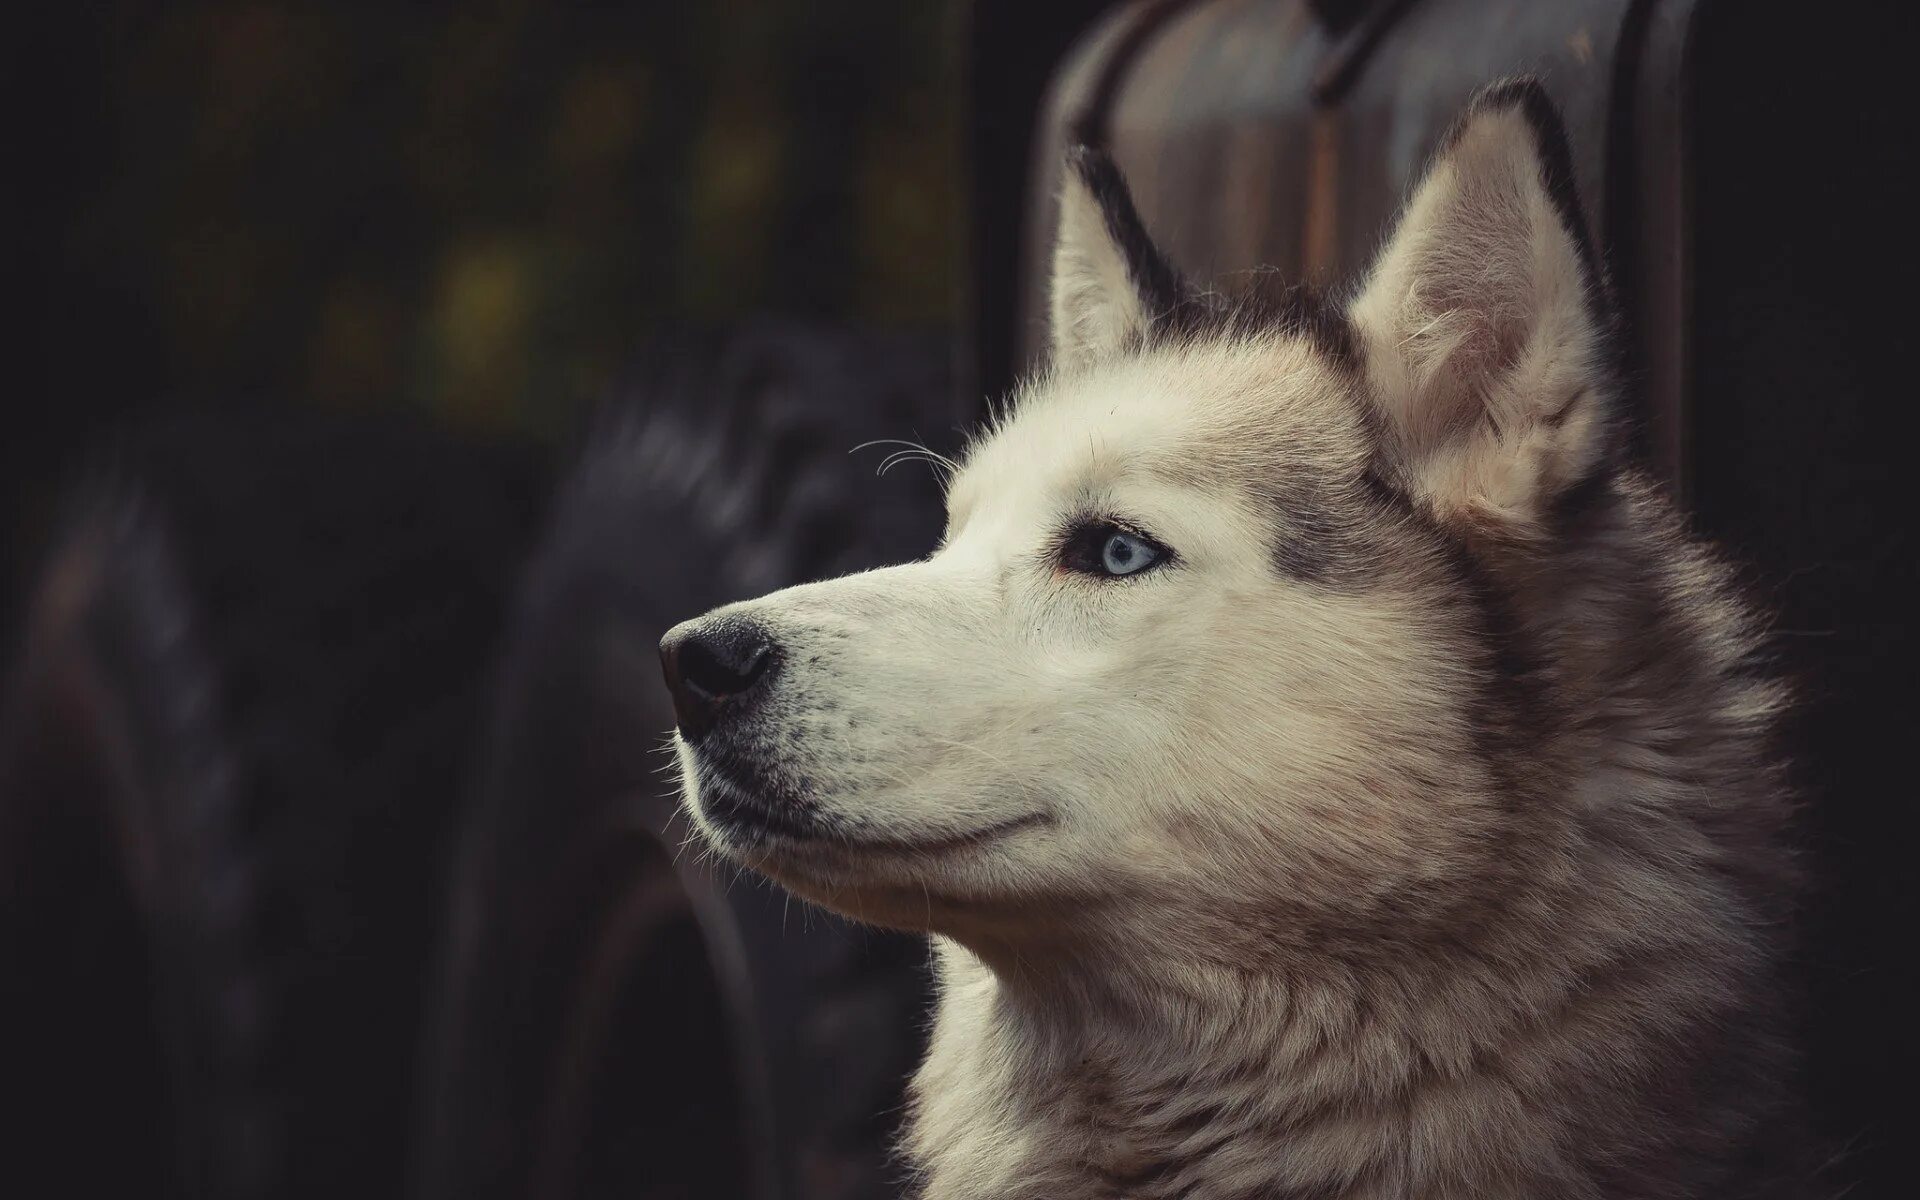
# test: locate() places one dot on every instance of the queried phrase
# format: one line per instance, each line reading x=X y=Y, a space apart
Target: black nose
x=713 y=667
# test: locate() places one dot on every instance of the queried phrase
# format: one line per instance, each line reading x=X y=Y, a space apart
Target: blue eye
x=1104 y=550
x=1127 y=554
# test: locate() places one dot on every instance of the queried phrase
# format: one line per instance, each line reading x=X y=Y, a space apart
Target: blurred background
x=384 y=379
x=469 y=216
x=391 y=377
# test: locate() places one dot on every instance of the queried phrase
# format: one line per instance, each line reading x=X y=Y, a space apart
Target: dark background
x=321 y=305
x=463 y=218
x=320 y=308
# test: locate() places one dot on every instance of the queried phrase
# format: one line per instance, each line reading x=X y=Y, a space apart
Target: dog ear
x=1484 y=325
x=1109 y=281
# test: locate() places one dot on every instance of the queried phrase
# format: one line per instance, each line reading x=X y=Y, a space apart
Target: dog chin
x=850 y=867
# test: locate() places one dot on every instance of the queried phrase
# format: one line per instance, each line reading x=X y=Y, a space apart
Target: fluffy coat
x=1412 y=825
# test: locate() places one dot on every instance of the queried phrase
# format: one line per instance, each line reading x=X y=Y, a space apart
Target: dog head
x=1206 y=641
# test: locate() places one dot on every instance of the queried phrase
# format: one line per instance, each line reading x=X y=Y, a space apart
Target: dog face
x=1205 y=642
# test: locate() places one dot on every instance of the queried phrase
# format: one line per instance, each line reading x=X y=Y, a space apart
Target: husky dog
x=1326 y=764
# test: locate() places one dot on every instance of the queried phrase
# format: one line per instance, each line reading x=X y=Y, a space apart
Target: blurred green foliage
x=475 y=211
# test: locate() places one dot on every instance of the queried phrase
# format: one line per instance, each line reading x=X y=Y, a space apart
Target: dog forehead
x=1226 y=416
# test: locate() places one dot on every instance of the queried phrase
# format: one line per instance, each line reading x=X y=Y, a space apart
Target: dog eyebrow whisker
x=945 y=467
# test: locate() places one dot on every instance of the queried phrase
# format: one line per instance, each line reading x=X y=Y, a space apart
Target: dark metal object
x=1257 y=134
x=1339 y=14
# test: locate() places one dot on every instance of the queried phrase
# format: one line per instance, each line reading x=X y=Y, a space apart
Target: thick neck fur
x=1594 y=1019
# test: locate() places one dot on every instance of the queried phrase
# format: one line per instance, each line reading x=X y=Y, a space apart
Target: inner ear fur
x=1485 y=324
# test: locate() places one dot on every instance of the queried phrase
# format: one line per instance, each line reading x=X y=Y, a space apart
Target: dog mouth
x=755 y=813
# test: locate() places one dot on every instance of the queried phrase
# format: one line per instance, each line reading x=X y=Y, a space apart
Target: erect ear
x=1484 y=324
x=1109 y=281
